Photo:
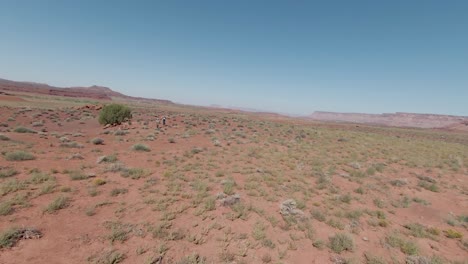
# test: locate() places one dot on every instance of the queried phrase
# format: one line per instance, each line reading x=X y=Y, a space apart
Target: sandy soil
x=367 y=183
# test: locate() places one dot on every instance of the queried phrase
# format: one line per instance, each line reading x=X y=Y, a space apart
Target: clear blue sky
x=283 y=56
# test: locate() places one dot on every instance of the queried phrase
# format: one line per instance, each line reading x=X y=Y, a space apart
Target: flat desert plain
x=225 y=187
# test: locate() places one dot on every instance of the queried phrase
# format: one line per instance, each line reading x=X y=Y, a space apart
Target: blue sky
x=283 y=56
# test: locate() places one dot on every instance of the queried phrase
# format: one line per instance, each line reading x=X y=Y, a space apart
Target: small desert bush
x=258 y=232
x=418 y=230
x=450 y=233
x=116 y=167
x=429 y=186
x=12 y=186
x=97 y=141
x=134 y=173
x=37 y=124
x=72 y=144
x=141 y=147
x=77 y=175
x=4 y=138
x=24 y=130
x=109 y=159
x=318 y=215
x=19 y=155
x=99 y=181
x=407 y=247
x=341 y=242
x=107 y=257
x=120 y=133
x=7 y=172
x=118 y=191
x=228 y=187
x=39 y=177
x=11 y=236
x=5 y=208
x=371 y=259
x=60 y=202
x=210 y=204
x=114 y=114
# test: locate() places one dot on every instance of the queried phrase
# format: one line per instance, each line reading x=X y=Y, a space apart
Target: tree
x=114 y=114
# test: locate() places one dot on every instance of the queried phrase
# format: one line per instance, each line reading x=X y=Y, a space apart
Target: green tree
x=114 y=114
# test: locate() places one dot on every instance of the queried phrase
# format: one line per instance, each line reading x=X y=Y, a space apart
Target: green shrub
x=341 y=242
x=19 y=155
x=114 y=114
x=4 y=138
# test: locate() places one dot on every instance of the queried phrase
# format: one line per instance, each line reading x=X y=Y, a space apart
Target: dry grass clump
x=406 y=246
x=107 y=257
x=7 y=172
x=97 y=141
x=60 y=202
x=341 y=242
x=450 y=233
x=19 y=155
x=24 y=130
x=141 y=147
x=10 y=237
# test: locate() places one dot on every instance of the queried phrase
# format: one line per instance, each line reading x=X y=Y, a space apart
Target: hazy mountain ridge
x=398 y=119
x=93 y=92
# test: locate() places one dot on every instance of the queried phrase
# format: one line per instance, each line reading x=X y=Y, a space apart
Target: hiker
x=157 y=122
x=164 y=121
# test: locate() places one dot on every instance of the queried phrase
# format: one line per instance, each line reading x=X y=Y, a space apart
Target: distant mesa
x=93 y=92
x=398 y=119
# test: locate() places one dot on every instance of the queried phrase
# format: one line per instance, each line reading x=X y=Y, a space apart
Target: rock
x=399 y=182
x=337 y=259
x=355 y=165
x=365 y=239
x=344 y=175
x=220 y=195
x=288 y=207
x=107 y=126
x=230 y=200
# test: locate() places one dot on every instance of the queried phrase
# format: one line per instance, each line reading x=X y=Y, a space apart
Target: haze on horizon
x=288 y=57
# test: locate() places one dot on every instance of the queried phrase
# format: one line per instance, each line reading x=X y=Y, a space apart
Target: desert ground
x=224 y=187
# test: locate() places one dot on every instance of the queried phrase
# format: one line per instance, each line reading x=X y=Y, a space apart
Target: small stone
x=365 y=239
x=230 y=200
